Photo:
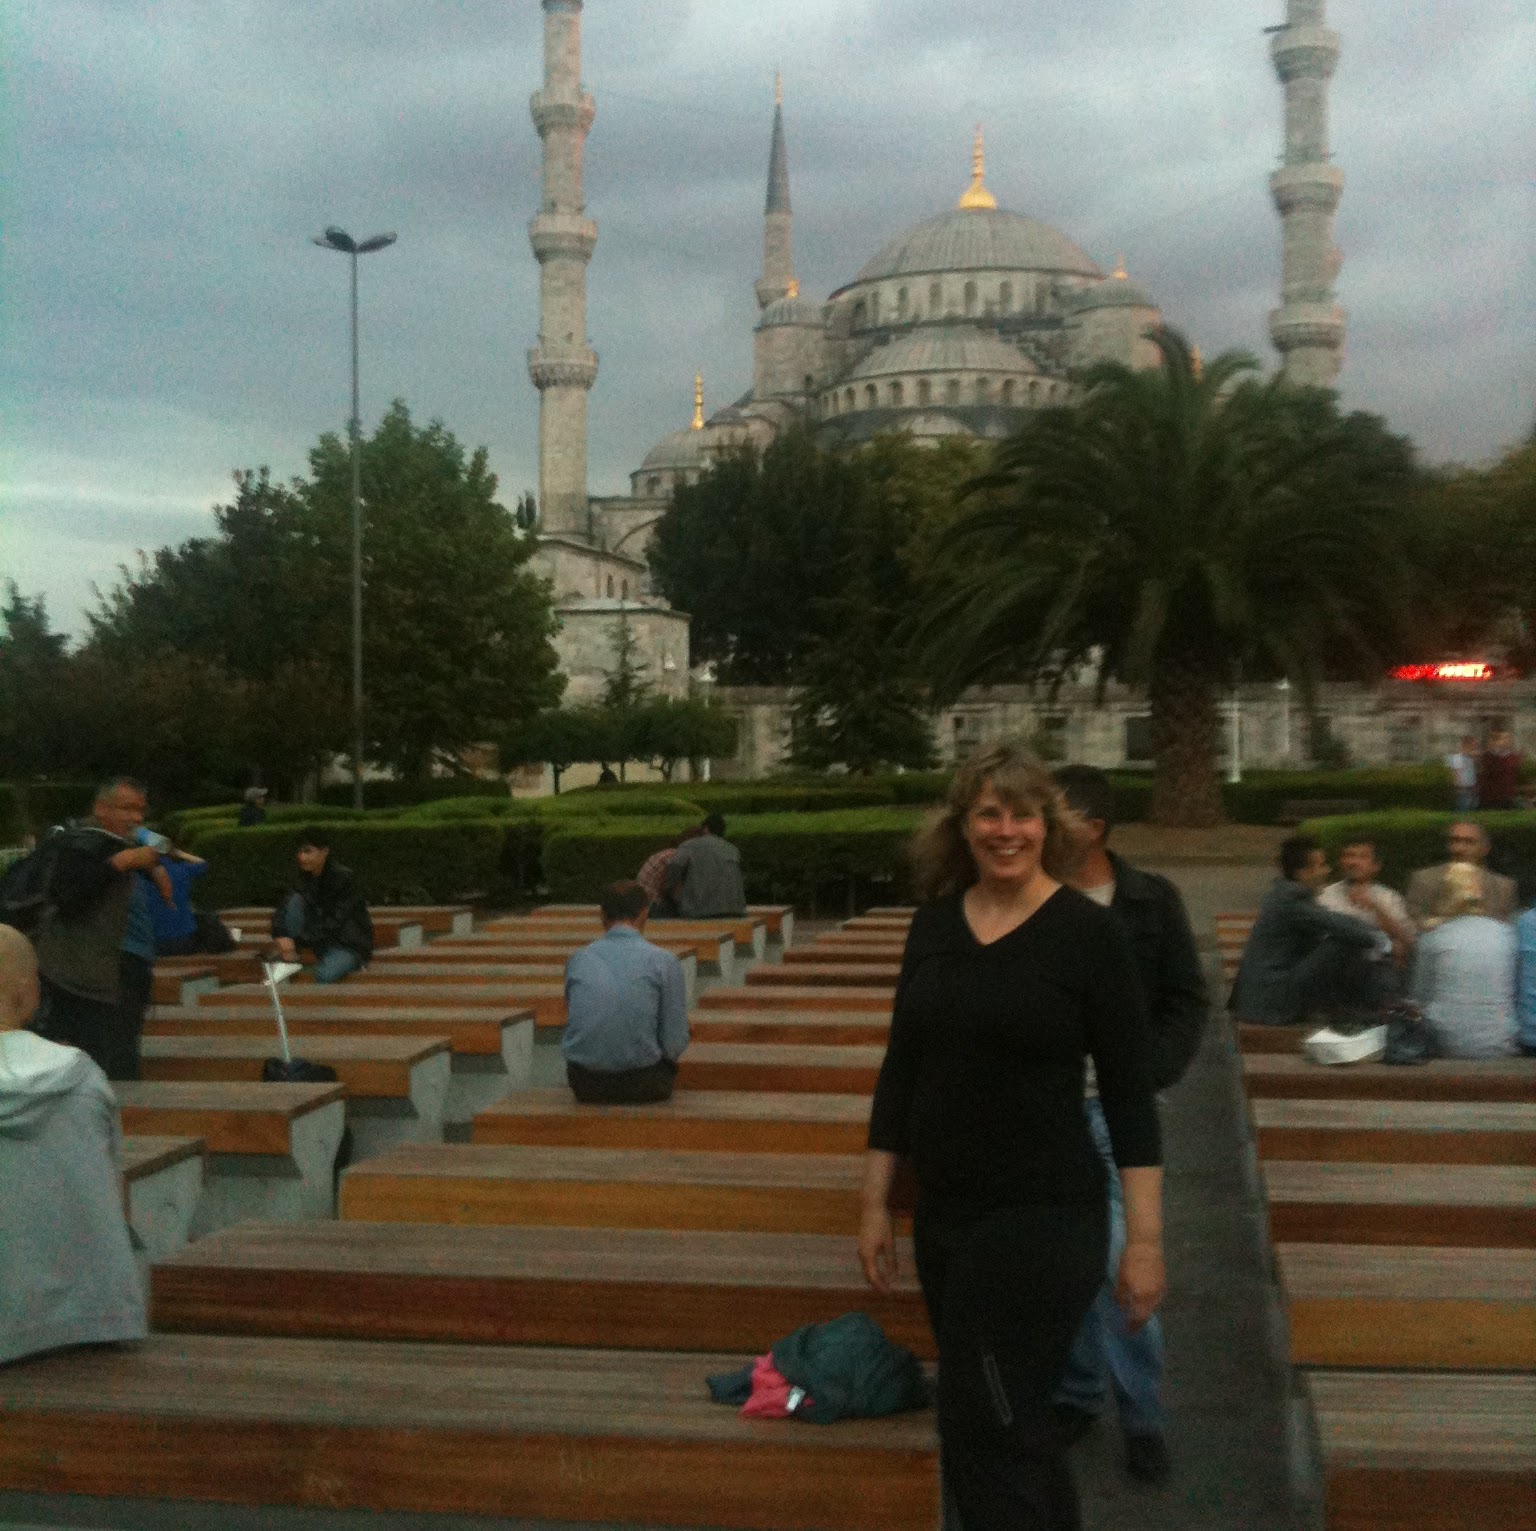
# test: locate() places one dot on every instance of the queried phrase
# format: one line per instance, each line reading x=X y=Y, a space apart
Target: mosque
x=961 y=325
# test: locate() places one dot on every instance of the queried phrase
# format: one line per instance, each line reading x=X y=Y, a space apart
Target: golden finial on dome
x=778 y=88
x=793 y=290
x=698 y=401
x=978 y=198
x=1120 y=275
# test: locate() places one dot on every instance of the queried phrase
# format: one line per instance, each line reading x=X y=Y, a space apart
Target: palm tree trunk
x=1185 y=791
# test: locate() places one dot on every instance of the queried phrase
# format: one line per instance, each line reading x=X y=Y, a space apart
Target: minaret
x=778 y=280
x=1308 y=327
x=563 y=366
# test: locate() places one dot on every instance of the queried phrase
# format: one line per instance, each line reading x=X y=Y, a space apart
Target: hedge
x=13 y=814
x=407 y=794
x=1408 y=840
x=396 y=863
x=817 y=861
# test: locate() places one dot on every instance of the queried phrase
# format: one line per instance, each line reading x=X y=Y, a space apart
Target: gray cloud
x=167 y=321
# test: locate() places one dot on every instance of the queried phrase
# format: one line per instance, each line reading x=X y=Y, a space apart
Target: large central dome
x=978 y=239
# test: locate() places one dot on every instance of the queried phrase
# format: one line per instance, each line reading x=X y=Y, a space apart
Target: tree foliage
x=1173 y=525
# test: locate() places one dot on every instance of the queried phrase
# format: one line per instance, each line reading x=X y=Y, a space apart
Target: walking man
x=1153 y=915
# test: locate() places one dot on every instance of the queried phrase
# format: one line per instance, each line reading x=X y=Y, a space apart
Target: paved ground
x=1228 y=1387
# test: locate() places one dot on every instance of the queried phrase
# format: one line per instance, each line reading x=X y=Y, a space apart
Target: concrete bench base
x=162 y=1185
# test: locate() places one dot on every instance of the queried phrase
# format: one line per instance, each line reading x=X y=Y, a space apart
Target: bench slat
x=1512 y=1079
x=1395 y=1131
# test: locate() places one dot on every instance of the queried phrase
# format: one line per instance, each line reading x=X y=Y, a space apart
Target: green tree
x=560 y=738
x=34 y=668
x=1171 y=525
x=667 y=730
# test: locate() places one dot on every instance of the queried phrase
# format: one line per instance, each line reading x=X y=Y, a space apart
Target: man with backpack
x=74 y=896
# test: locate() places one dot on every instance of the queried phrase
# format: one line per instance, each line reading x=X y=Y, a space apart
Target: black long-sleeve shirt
x=982 y=1082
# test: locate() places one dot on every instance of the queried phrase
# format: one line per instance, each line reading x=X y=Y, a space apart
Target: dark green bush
x=832 y=862
x=1409 y=839
x=638 y=802
x=45 y=803
x=13 y=814
x=1260 y=796
x=397 y=863
x=407 y=794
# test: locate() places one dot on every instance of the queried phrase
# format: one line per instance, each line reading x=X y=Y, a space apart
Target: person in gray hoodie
x=67 y=1272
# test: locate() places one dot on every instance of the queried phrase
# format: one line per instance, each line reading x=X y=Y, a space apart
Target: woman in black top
x=1009 y=980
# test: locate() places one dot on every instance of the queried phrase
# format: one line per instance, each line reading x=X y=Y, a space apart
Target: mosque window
x=871 y=396
x=874 y=308
x=860 y=314
x=898 y=395
x=952 y=391
x=1034 y=390
x=653 y=485
x=983 y=391
x=1008 y=391
x=970 y=298
x=810 y=383
x=902 y=300
x=924 y=391
x=624 y=591
x=610 y=587
x=1005 y=298
x=935 y=299
x=848 y=399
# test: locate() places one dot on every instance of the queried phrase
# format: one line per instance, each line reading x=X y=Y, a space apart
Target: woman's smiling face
x=1004 y=842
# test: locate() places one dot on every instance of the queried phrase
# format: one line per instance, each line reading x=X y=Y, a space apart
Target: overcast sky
x=164 y=318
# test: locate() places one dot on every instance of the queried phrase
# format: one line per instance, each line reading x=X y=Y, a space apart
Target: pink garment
x=773 y=1396
x=653 y=875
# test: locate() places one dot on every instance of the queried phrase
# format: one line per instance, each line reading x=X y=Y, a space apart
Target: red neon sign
x=1457 y=669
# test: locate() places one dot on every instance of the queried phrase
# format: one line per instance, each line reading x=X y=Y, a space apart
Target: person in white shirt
x=1358 y=893
x=1463 y=764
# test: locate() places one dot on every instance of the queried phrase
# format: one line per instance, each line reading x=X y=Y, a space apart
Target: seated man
x=326 y=914
x=1468 y=845
x=704 y=877
x=626 y=1009
x=67 y=1273
x=1359 y=895
x=1300 y=957
x=1525 y=992
x=1464 y=973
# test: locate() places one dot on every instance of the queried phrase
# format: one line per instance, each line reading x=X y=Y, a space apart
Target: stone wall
x=585 y=644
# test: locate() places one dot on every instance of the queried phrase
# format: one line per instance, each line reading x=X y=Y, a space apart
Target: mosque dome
x=978 y=239
x=682 y=449
x=1118 y=292
x=943 y=348
x=793 y=312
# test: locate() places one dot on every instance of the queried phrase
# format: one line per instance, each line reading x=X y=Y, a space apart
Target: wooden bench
x=545 y=999
x=1434 y=1451
x=1232 y=931
x=798 y=997
x=271 y=1147
x=243 y=965
x=779 y=919
x=1267 y=1077
x=1404 y=1306
x=607 y=1188
x=862 y=953
x=792 y=1028
x=843 y=938
x=1254 y=1038
x=621 y=1289
x=703 y=1121
x=491 y=1051
x=391 y=927
x=710 y=952
x=397 y=1087
x=181 y=983
x=748 y=932
x=1446 y=1205
x=1395 y=1131
x=162 y=1181
x=528 y=1434
x=747 y=1066
x=840 y=975
x=502 y=967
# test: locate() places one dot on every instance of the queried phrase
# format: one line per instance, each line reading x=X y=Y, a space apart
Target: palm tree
x=1171 y=525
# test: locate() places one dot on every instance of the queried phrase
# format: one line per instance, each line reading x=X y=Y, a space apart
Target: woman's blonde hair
x=941 y=860
x=1462 y=891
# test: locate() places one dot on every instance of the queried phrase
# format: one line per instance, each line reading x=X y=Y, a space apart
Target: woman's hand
x=1141 y=1283
x=877 y=1248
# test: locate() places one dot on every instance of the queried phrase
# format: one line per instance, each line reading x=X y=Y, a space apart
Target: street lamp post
x=338 y=239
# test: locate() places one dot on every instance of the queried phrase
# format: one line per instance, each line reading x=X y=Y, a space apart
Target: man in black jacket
x=326 y=913
x=1152 y=913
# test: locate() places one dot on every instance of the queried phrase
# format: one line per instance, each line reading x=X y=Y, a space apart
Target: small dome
x=682 y=449
x=796 y=312
x=943 y=348
x=1117 y=292
x=978 y=239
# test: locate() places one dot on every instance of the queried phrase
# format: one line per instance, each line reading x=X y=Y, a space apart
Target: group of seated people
x=1322 y=950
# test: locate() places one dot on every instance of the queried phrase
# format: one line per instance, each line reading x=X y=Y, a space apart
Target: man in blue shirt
x=626 y=1011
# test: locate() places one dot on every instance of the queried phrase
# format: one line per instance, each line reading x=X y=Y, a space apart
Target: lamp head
x=378 y=242
x=336 y=239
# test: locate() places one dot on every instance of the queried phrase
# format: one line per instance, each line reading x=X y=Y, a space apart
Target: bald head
x=19 y=995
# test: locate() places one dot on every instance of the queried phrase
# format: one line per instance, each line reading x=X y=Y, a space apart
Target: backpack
x=24 y=890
